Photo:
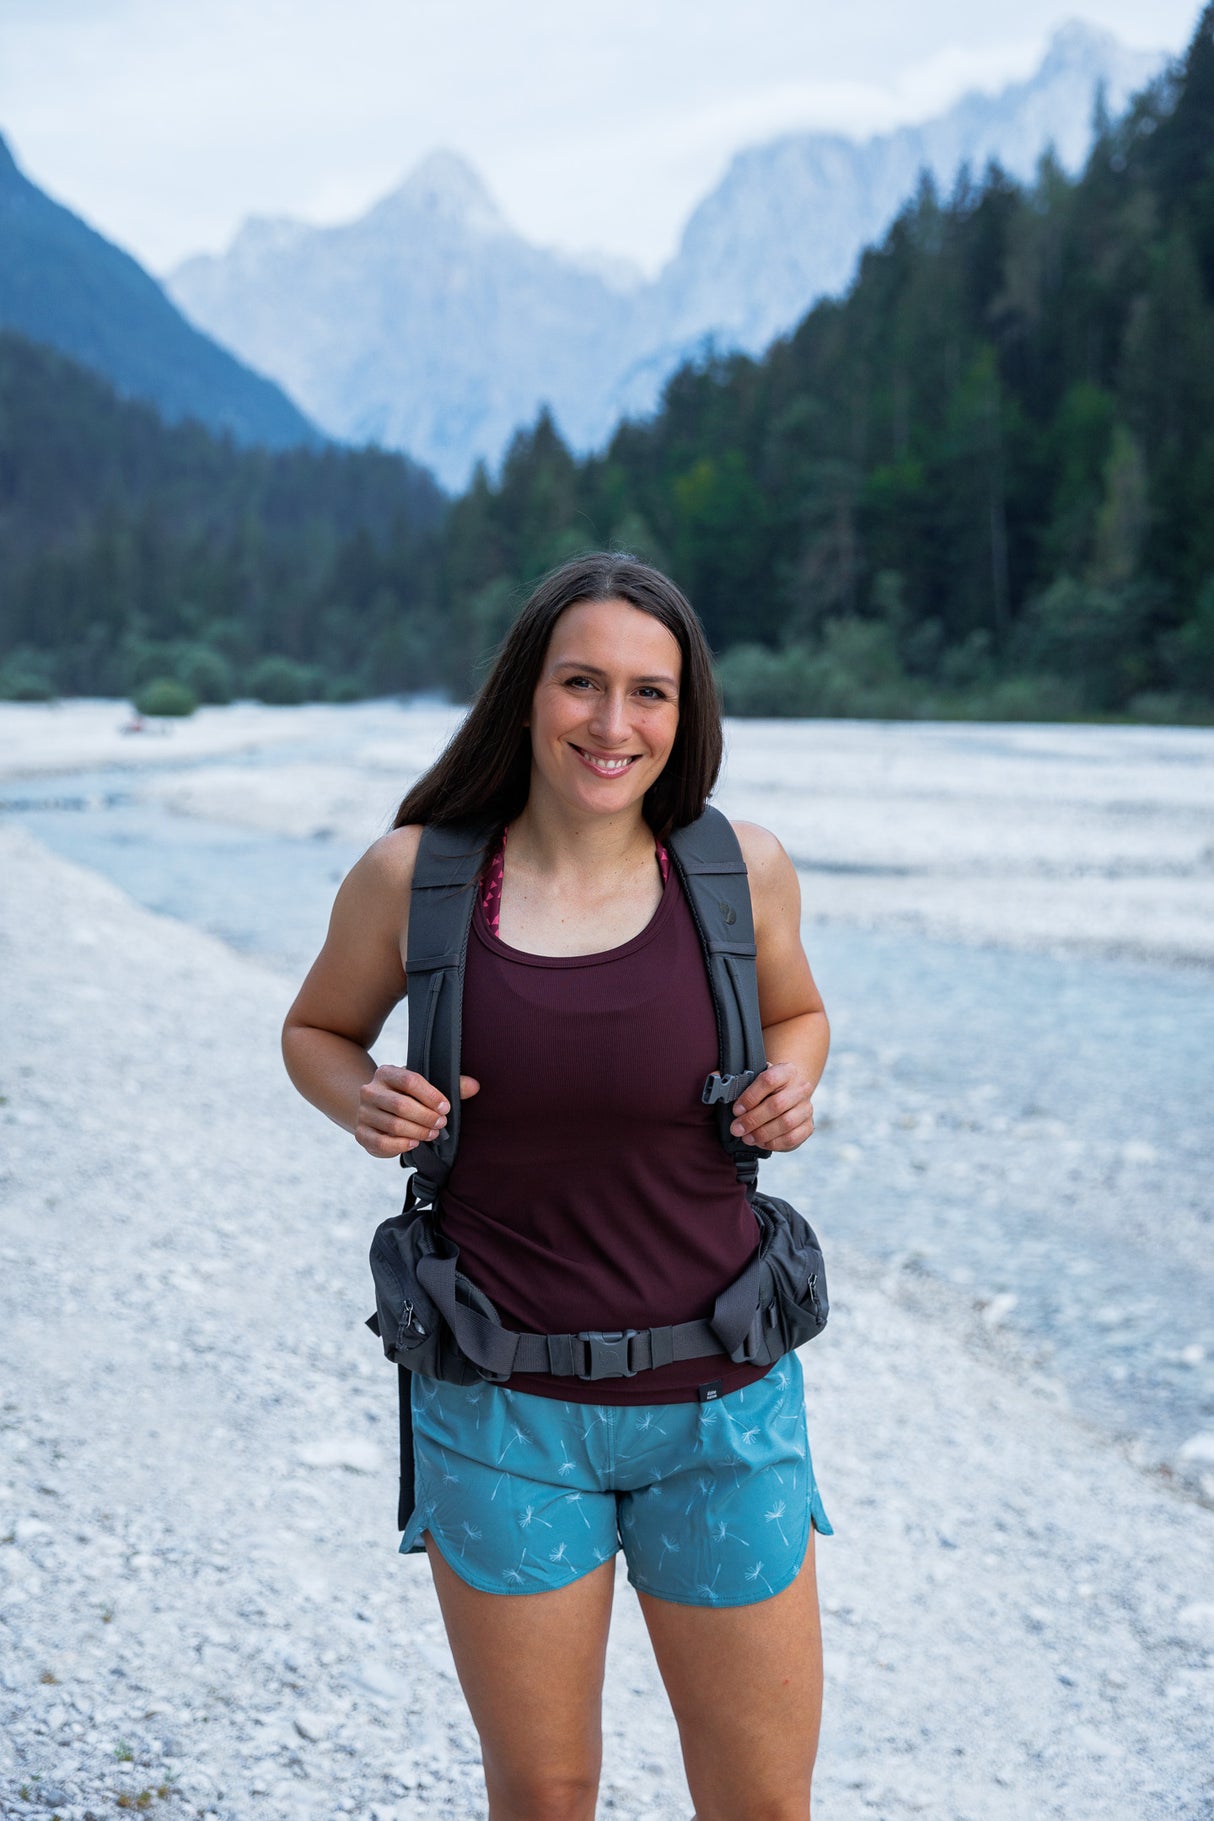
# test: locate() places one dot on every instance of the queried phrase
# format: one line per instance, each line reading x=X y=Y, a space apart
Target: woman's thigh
x=531 y=1668
x=745 y=1683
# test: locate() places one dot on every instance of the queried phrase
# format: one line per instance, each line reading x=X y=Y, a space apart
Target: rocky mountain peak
x=445 y=187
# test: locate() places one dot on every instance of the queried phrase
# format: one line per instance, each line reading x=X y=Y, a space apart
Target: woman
x=591 y=1190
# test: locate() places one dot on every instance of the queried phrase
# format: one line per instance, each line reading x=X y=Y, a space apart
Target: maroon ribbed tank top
x=590 y=1189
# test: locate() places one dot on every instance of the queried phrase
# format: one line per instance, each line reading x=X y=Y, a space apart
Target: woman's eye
x=652 y=694
x=577 y=683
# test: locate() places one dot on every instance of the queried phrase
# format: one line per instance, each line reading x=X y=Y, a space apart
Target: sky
x=597 y=124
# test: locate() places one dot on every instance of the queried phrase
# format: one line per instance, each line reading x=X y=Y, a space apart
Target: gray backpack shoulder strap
x=445 y=878
x=713 y=872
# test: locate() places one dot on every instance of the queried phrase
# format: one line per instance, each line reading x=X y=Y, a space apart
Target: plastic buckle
x=607 y=1353
x=720 y=1087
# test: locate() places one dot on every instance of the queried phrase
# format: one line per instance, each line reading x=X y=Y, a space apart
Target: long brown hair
x=484 y=772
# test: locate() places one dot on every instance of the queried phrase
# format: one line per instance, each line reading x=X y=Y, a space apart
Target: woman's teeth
x=601 y=764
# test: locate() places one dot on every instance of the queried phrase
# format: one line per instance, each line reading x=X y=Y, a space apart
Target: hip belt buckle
x=607 y=1353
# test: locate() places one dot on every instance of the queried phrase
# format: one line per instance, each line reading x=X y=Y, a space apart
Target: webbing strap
x=498 y=1351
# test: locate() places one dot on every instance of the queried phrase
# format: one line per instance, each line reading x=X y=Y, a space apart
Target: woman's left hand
x=776 y=1111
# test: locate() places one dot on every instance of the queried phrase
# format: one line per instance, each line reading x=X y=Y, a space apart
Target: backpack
x=429 y=1316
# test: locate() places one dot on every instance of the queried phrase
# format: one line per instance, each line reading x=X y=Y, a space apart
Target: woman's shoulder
x=774 y=891
x=388 y=863
x=762 y=851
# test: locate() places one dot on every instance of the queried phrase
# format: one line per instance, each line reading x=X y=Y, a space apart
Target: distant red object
x=136 y=724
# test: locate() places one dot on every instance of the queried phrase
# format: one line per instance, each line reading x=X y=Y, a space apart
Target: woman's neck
x=576 y=847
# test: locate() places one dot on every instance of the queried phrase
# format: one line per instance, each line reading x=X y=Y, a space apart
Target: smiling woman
x=608 y=697
x=594 y=1198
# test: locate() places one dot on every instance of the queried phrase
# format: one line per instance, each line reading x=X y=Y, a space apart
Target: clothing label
x=710 y=1392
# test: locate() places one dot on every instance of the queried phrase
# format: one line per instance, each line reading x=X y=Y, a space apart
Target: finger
x=399 y=1117
x=379 y=1144
x=800 y=1119
x=468 y=1087
x=787 y=1140
x=415 y=1086
x=773 y=1076
x=786 y=1101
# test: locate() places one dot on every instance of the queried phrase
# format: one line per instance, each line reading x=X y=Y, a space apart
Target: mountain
x=428 y=325
x=63 y=284
x=432 y=326
x=788 y=220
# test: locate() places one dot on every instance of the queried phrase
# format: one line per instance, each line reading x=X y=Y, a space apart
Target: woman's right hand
x=398 y=1109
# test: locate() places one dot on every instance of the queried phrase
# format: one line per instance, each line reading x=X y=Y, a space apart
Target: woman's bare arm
x=776 y=1111
x=340 y=1010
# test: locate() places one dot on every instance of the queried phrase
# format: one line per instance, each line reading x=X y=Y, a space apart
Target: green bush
x=854 y=670
x=1026 y=699
x=344 y=689
x=26 y=676
x=206 y=672
x=165 y=696
x=282 y=682
x=757 y=681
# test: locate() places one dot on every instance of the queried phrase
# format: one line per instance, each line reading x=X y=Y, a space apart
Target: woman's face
x=606 y=709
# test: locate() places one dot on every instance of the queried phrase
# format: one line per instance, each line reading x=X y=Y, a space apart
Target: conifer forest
x=980 y=483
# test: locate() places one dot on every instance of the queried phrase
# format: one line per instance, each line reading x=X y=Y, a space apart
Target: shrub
x=282 y=682
x=1025 y=698
x=26 y=676
x=165 y=696
x=206 y=672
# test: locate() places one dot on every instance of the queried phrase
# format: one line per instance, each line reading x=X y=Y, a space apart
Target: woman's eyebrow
x=593 y=670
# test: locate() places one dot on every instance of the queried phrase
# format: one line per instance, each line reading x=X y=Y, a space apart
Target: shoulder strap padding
x=713 y=871
x=443 y=895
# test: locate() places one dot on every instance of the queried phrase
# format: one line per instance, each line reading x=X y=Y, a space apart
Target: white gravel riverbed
x=201 y=1607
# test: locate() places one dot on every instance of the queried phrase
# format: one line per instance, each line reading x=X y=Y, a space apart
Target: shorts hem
x=506 y=1593
x=742 y=1599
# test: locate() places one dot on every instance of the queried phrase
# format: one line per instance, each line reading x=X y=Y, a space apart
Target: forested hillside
x=982 y=482
x=64 y=284
x=131 y=550
x=987 y=473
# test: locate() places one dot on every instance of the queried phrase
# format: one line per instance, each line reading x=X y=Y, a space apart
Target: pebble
x=1197 y=1620
x=313 y=1726
x=351 y=1451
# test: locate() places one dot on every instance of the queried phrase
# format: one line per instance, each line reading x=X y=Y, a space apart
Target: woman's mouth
x=606 y=765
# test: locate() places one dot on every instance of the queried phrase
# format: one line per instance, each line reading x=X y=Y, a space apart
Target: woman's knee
x=535 y=1793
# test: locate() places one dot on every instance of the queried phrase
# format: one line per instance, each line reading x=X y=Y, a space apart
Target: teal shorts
x=711 y=1502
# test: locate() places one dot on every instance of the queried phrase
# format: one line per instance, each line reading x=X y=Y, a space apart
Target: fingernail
x=736 y=1128
x=444 y=1106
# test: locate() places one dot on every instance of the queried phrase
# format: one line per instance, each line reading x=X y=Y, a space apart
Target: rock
x=1197 y=1620
x=999 y=1308
x=313 y=1726
x=376 y=1678
x=1199 y=1450
x=352 y=1451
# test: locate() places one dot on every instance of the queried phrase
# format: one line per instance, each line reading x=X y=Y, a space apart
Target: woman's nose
x=610 y=719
